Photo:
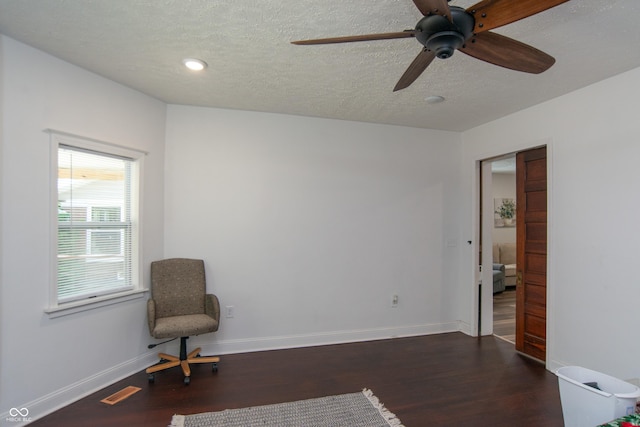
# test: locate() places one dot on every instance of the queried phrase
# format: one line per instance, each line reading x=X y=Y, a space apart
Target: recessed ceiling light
x=194 y=64
x=436 y=99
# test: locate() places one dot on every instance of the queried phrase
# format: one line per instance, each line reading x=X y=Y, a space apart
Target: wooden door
x=531 y=265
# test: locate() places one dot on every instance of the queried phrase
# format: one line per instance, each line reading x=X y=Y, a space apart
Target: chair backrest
x=178 y=286
x=504 y=253
x=508 y=253
x=496 y=254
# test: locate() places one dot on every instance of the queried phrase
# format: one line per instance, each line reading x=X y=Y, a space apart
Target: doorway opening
x=513 y=250
x=503 y=238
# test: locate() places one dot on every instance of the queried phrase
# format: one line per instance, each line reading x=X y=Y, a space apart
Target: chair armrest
x=212 y=306
x=151 y=315
x=499 y=267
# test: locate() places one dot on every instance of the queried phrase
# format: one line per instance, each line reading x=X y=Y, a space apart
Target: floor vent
x=120 y=395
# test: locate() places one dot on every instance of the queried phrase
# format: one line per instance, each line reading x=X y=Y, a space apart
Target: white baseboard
x=38 y=408
x=553 y=365
x=465 y=328
x=325 y=338
x=51 y=402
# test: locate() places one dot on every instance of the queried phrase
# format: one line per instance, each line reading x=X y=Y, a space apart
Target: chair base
x=168 y=361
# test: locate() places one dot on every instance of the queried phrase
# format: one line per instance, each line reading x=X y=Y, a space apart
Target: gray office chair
x=180 y=307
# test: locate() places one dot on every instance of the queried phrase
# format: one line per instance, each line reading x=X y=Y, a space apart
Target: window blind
x=94 y=224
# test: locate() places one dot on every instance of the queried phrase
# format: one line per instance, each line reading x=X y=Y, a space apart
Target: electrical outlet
x=394 y=301
x=229 y=311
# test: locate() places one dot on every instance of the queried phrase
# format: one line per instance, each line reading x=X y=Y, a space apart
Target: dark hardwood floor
x=437 y=380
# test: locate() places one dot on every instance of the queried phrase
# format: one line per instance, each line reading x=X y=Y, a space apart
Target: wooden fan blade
x=361 y=38
x=434 y=7
x=491 y=14
x=507 y=52
x=416 y=68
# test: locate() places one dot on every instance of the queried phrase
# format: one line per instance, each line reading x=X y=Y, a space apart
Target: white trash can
x=584 y=405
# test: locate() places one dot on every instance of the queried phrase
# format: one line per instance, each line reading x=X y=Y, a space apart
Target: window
x=96 y=226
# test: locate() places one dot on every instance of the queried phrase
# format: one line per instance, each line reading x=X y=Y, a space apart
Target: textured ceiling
x=252 y=65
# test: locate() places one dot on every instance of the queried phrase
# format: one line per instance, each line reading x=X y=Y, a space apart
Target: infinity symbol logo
x=14 y=412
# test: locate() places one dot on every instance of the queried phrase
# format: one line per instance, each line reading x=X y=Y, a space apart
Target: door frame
x=482 y=307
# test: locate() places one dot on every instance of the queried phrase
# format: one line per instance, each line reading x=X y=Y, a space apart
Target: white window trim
x=56 y=309
x=97 y=302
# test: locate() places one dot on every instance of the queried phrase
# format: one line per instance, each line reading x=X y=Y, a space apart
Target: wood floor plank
x=436 y=380
x=504 y=315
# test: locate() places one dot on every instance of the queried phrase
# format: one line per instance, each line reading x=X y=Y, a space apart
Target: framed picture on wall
x=504 y=212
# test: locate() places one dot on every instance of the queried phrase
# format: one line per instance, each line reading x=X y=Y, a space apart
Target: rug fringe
x=388 y=416
x=177 y=421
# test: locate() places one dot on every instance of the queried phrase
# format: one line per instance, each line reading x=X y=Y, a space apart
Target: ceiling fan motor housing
x=442 y=36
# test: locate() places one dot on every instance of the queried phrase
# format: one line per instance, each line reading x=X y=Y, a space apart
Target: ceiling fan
x=444 y=28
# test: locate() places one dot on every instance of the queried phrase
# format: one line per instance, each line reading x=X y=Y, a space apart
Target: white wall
x=45 y=362
x=593 y=138
x=309 y=226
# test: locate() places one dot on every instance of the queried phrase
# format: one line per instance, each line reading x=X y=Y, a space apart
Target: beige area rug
x=361 y=409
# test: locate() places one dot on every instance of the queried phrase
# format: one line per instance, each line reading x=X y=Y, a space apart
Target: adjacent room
x=503 y=250
x=340 y=196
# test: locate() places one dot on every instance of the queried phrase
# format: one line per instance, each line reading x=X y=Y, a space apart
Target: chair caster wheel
x=214 y=367
x=187 y=380
x=151 y=378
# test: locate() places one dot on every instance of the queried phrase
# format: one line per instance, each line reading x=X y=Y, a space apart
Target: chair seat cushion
x=184 y=326
x=510 y=269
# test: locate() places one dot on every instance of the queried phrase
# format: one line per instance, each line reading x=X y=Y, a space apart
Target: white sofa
x=505 y=253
